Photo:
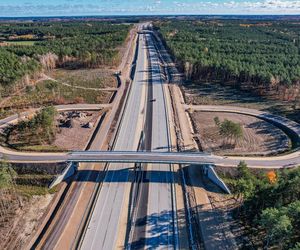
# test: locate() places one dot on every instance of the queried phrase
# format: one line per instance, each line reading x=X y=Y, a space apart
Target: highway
x=107 y=225
x=290 y=160
x=161 y=206
x=64 y=226
x=154 y=224
x=104 y=227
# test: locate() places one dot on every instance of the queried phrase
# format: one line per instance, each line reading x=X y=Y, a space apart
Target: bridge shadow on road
x=153 y=176
x=122 y=175
x=159 y=231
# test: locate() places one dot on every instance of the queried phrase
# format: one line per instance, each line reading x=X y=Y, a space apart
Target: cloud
x=44 y=9
x=76 y=7
x=275 y=4
x=253 y=7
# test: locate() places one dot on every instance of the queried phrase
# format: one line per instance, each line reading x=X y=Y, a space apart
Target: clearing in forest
x=259 y=137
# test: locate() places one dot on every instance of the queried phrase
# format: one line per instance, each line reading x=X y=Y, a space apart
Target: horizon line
x=145 y=15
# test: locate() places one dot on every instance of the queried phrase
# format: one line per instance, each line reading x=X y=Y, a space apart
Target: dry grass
x=259 y=137
x=217 y=94
x=91 y=78
x=48 y=92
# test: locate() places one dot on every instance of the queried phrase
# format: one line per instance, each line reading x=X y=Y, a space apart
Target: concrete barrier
x=210 y=172
x=70 y=170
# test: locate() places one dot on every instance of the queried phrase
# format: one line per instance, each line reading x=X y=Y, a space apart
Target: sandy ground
x=25 y=223
x=77 y=136
x=259 y=136
x=217 y=94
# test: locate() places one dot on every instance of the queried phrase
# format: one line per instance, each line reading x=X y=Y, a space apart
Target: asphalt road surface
x=161 y=230
x=154 y=226
x=104 y=225
x=288 y=160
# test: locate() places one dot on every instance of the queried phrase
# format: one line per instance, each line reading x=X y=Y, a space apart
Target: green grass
x=30 y=190
x=41 y=148
x=21 y=43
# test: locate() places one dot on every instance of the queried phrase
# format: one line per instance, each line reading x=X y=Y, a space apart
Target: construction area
x=258 y=137
x=119 y=203
x=75 y=128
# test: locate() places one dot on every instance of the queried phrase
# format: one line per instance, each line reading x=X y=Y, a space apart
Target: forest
x=57 y=44
x=36 y=130
x=270 y=206
x=260 y=54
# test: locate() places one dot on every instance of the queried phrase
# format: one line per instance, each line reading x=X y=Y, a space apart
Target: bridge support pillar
x=70 y=170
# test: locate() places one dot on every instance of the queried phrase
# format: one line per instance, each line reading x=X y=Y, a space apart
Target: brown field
x=259 y=137
x=89 y=78
x=216 y=94
x=23 y=222
x=76 y=137
x=49 y=92
x=73 y=131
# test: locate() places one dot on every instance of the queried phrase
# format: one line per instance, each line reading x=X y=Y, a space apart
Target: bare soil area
x=24 y=222
x=75 y=129
x=200 y=93
x=259 y=137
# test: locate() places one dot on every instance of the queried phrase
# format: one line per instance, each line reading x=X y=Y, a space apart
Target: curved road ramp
x=107 y=216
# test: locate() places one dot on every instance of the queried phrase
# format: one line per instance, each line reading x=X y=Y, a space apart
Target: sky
x=9 y=8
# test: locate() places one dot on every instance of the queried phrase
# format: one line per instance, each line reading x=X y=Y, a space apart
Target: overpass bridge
x=284 y=161
x=142 y=157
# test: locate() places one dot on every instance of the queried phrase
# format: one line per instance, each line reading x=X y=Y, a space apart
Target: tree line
x=230 y=52
x=76 y=44
x=271 y=205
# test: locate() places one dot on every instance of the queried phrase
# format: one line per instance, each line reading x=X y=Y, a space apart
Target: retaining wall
x=210 y=172
x=67 y=172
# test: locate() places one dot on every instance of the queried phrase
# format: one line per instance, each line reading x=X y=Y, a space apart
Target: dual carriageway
x=143 y=143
